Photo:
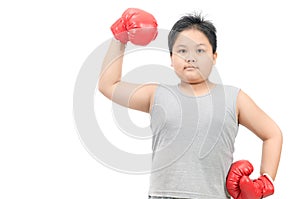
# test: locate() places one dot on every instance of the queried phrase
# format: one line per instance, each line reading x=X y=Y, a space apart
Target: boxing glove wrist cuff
x=118 y=43
x=269 y=177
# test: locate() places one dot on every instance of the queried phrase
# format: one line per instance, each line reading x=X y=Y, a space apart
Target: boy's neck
x=196 y=89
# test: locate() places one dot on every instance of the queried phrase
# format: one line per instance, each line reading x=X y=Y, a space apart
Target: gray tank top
x=193 y=142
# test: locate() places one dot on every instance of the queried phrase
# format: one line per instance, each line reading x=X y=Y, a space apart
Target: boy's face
x=192 y=57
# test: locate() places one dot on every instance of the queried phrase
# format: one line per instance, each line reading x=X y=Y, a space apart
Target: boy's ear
x=171 y=60
x=215 y=55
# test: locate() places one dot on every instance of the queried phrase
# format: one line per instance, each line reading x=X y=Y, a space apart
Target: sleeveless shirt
x=193 y=142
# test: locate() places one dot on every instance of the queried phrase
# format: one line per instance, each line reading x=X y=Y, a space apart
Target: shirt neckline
x=211 y=90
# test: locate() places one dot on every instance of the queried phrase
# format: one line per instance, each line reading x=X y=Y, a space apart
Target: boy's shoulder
x=230 y=91
x=228 y=87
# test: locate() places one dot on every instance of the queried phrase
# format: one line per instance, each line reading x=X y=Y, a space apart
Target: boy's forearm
x=111 y=71
x=271 y=155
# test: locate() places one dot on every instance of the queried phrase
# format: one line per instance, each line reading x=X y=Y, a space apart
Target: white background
x=43 y=45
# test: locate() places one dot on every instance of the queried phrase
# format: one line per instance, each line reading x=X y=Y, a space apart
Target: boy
x=194 y=123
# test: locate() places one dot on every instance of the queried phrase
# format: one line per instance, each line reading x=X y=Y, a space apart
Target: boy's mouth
x=189 y=67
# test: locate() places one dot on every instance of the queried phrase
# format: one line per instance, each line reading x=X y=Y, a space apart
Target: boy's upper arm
x=134 y=96
x=254 y=118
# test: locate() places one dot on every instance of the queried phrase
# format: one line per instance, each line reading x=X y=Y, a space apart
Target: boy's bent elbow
x=277 y=136
x=280 y=136
x=103 y=88
x=105 y=91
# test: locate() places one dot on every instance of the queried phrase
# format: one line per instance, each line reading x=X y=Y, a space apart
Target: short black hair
x=193 y=21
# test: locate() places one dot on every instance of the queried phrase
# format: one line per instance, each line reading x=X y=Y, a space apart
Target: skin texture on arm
x=134 y=96
x=257 y=121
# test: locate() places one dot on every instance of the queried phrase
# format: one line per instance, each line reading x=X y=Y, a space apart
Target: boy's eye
x=200 y=51
x=181 y=51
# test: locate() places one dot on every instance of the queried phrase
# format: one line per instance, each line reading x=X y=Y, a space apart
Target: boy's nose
x=190 y=59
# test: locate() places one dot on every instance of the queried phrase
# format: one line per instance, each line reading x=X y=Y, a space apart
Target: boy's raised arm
x=138 y=27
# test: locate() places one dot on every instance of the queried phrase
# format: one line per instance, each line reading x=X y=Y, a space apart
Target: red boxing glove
x=240 y=186
x=237 y=171
x=135 y=25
